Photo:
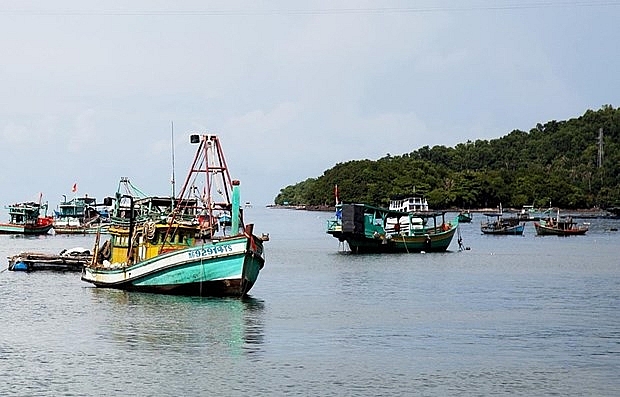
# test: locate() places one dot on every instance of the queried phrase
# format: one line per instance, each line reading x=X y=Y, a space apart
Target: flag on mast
x=74 y=188
x=336 y=194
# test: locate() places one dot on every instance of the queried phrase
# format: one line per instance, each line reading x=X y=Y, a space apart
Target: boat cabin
x=411 y=204
x=25 y=213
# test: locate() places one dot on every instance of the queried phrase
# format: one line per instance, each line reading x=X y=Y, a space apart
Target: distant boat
x=495 y=214
x=503 y=226
x=27 y=218
x=560 y=226
x=529 y=213
x=80 y=215
x=166 y=248
x=465 y=216
x=368 y=229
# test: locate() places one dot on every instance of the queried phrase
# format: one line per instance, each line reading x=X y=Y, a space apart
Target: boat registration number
x=209 y=251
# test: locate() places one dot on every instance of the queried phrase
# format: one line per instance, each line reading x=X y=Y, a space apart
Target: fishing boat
x=465 y=216
x=27 y=218
x=503 y=225
x=560 y=226
x=368 y=229
x=80 y=215
x=177 y=250
x=529 y=213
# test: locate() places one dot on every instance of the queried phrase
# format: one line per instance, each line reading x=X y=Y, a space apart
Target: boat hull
x=550 y=231
x=438 y=242
x=7 y=228
x=512 y=230
x=465 y=218
x=222 y=268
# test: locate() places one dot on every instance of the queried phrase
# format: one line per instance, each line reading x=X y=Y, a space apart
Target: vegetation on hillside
x=556 y=162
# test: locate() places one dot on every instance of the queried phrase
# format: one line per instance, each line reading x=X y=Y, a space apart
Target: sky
x=94 y=91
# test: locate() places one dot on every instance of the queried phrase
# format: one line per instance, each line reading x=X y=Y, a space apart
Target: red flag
x=74 y=188
x=336 y=194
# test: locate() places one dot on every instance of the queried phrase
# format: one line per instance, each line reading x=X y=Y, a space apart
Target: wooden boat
x=72 y=259
x=503 y=225
x=80 y=215
x=560 y=226
x=529 y=213
x=368 y=229
x=465 y=216
x=27 y=218
x=152 y=249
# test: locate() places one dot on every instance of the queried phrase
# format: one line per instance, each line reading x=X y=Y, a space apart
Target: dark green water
x=512 y=316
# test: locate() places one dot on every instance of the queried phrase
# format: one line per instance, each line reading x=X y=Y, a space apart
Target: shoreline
x=592 y=213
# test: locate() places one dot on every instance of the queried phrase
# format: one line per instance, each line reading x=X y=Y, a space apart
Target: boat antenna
x=172 y=149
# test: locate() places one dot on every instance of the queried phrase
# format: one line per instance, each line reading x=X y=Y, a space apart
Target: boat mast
x=172 y=148
x=213 y=166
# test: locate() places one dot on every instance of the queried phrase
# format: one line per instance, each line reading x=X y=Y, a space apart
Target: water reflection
x=194 y=325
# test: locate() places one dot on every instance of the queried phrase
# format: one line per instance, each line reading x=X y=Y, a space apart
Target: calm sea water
x=513 y=315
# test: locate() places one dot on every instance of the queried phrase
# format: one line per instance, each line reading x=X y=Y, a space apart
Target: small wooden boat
x=560 y=226
x=27 y=218
x=72 y=259
x=529 y=214
x=369 y=229
x=465 y=216
x=503 y=226
x=160 y=245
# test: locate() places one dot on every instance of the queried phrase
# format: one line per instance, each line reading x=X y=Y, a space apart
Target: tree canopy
x=557 y=162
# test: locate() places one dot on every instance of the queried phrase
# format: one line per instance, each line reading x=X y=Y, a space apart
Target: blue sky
x=89 y=89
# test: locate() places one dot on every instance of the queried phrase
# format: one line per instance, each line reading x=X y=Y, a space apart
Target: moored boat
x=465 y=216
x=72 y=259
x=80 y=215
x=169 y=251
x=503 y=226
x=560 y=226
x=529 y=213
x=27 y=218
x=368 y=229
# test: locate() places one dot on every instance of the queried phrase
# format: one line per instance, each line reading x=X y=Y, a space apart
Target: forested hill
x=557 y=162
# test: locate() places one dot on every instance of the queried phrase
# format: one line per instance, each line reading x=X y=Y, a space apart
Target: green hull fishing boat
x=180 y=250
x=369 y=229
x=465 y=217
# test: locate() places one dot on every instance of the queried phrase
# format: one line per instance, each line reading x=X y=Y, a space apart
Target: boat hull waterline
x=6 y=228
